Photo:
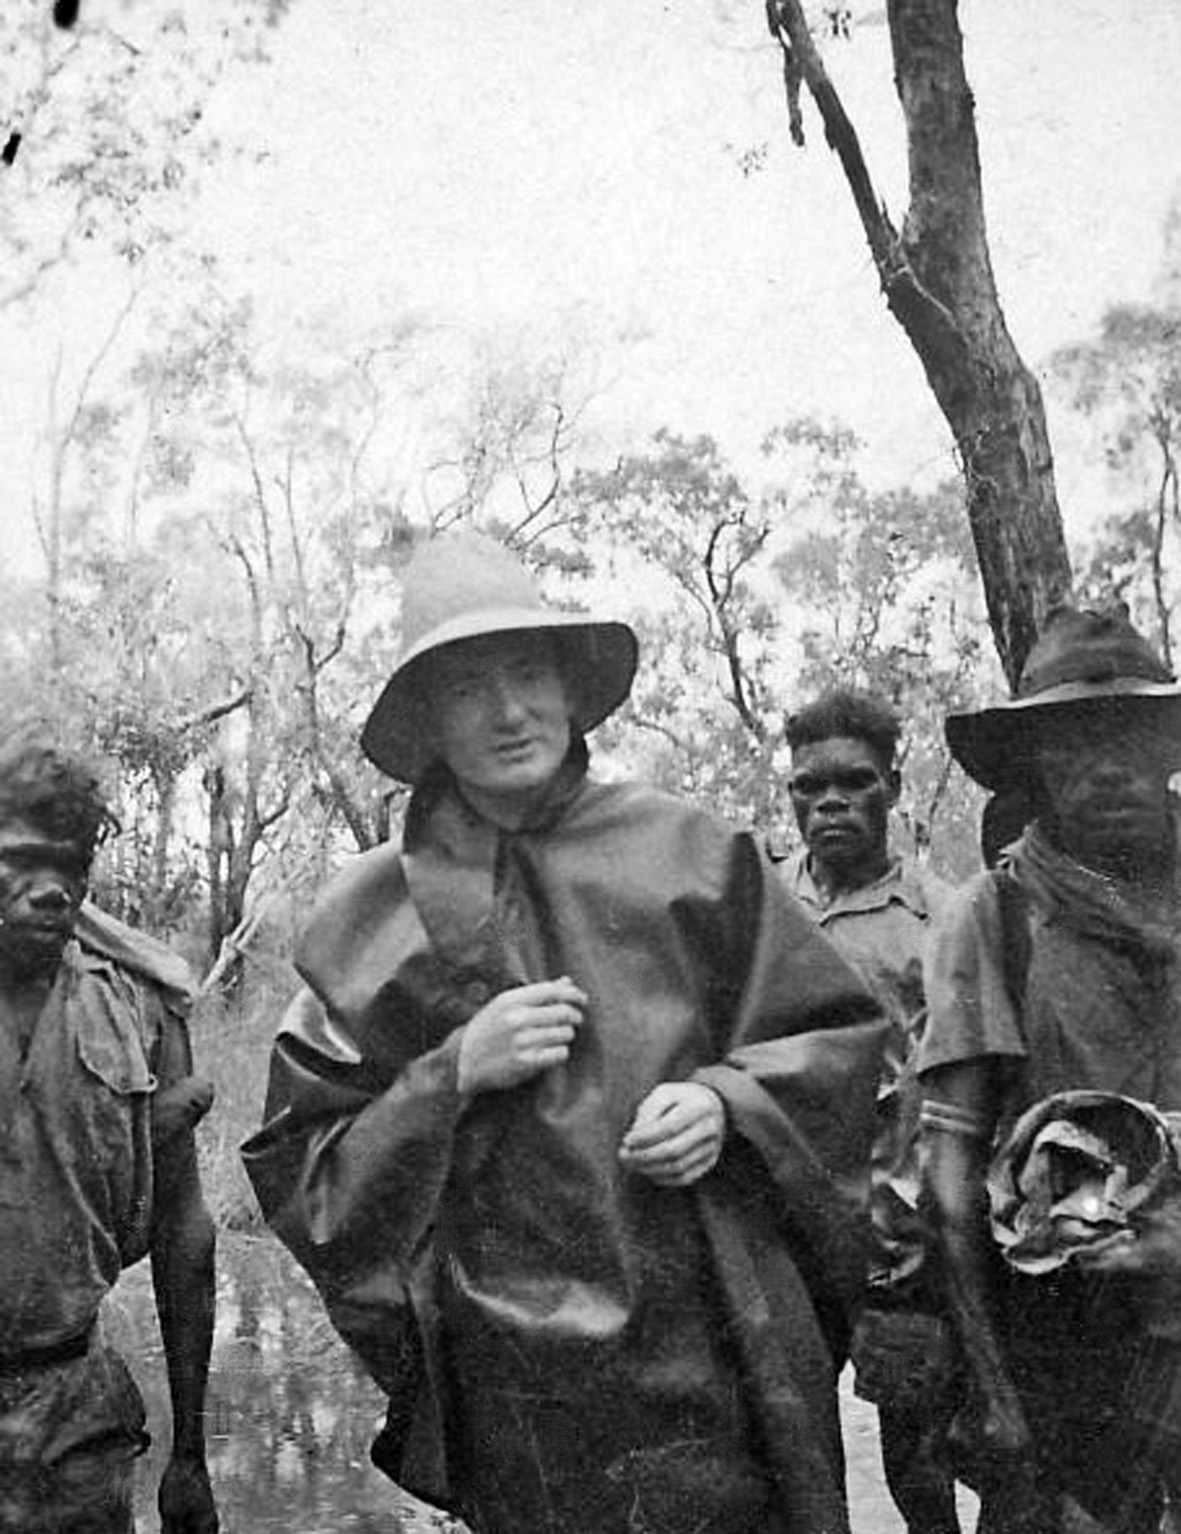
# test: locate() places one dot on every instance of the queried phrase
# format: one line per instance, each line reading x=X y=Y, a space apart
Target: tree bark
x=938 y=281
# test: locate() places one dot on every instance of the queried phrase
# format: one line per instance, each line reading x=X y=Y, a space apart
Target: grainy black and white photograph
x=590 y=906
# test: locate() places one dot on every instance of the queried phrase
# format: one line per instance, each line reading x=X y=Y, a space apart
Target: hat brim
x=994 y=746
x=599 y=665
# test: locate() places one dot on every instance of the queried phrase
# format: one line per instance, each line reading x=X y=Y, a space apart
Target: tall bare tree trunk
x=938 y=281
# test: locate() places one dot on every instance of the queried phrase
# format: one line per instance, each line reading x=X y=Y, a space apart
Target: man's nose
x=1111 y=766
x=832 y=798
x=508 y=697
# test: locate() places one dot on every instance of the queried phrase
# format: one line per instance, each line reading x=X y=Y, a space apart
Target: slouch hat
x=466 y=586
x=1082 y=660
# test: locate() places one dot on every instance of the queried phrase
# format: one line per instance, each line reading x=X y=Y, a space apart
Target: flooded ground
x=291 y=1417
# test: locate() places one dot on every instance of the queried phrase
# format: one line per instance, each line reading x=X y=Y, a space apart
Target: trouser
x=906 y=1362
x=917 y=1466
x=70 y=1430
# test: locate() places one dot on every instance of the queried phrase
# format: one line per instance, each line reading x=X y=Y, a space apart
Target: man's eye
x=22 y=862
x=843 y=783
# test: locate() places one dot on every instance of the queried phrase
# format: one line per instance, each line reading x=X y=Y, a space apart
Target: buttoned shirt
x=75 y=1152
x=882 y=929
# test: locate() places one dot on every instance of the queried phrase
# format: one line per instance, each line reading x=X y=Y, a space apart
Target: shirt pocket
x=110 y=1045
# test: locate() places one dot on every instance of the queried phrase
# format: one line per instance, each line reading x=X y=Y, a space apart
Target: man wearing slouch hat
x=1057 y=973
x=570 y=1123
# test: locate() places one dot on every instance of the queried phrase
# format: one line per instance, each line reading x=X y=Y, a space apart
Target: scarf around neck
x=1094 y=904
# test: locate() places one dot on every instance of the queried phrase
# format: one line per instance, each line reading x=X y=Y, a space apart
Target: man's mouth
x=42 y=931
x=1123 y=811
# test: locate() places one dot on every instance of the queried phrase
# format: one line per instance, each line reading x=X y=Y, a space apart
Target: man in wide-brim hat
x=570 y=1124
x=1059 y=971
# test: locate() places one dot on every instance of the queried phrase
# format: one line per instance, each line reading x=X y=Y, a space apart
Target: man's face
x=42 y=884
x=1106 y=774
x=842 y=792
x=500 y=716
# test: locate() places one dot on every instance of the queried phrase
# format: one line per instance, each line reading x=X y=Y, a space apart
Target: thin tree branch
x=213 y=712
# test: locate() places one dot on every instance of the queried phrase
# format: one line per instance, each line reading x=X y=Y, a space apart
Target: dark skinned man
x=877 y=909
x=1058 y=972
x=97 y=1170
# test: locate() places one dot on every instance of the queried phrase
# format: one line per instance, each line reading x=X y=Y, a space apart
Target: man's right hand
x=992 y=1446
x=519 y=1034
x=1004 y=1437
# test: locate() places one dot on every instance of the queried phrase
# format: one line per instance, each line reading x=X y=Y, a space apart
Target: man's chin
x=33 y=954
x=843 y=848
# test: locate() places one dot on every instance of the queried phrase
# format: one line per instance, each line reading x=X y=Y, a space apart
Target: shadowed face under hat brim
x=597 y=659
x=995 y=746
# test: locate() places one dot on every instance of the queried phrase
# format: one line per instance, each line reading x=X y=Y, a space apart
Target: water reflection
x=290 y=1416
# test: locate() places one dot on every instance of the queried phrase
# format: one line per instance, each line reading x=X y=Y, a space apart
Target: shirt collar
x=900 y=884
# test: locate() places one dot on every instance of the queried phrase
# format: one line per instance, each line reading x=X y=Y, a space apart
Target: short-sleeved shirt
x=1096 y=1013
x=1079 y=1002
x=882 y=930
x=75 y=1148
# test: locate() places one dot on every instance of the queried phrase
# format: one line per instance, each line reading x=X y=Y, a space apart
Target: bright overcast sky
x=571 y=177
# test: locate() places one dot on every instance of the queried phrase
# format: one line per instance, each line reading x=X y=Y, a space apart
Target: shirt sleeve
x=970 y=1012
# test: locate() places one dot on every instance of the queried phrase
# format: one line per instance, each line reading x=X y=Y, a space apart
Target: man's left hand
x=1152 y=1249
x=186 y=1500
x=179 y=1107
x=677 y=1133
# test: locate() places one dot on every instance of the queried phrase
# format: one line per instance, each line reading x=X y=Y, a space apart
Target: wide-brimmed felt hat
x=466 y=586
x=1082 y=660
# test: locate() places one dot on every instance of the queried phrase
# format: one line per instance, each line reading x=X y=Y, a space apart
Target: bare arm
x=182 y=1253
x=959 y=1115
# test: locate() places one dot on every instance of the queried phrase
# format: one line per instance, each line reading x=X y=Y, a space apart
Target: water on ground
x=291 y=1416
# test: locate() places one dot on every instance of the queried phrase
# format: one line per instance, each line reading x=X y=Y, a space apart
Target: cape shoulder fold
x=358 y=921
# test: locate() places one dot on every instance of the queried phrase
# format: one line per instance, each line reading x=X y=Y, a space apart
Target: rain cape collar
x=450 y=851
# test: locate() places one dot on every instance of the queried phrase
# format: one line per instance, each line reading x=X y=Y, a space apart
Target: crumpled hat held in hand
x=1080 y=658
x=464 y=586
x=1079 y=1170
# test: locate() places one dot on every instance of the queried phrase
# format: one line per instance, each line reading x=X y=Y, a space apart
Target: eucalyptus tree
x=104 y=136
x=936 y=273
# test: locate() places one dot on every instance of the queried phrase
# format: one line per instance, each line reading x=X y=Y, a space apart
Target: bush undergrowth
x=232 y=1033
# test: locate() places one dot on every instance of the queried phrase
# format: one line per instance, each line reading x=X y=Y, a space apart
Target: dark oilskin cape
x=567 y=1346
